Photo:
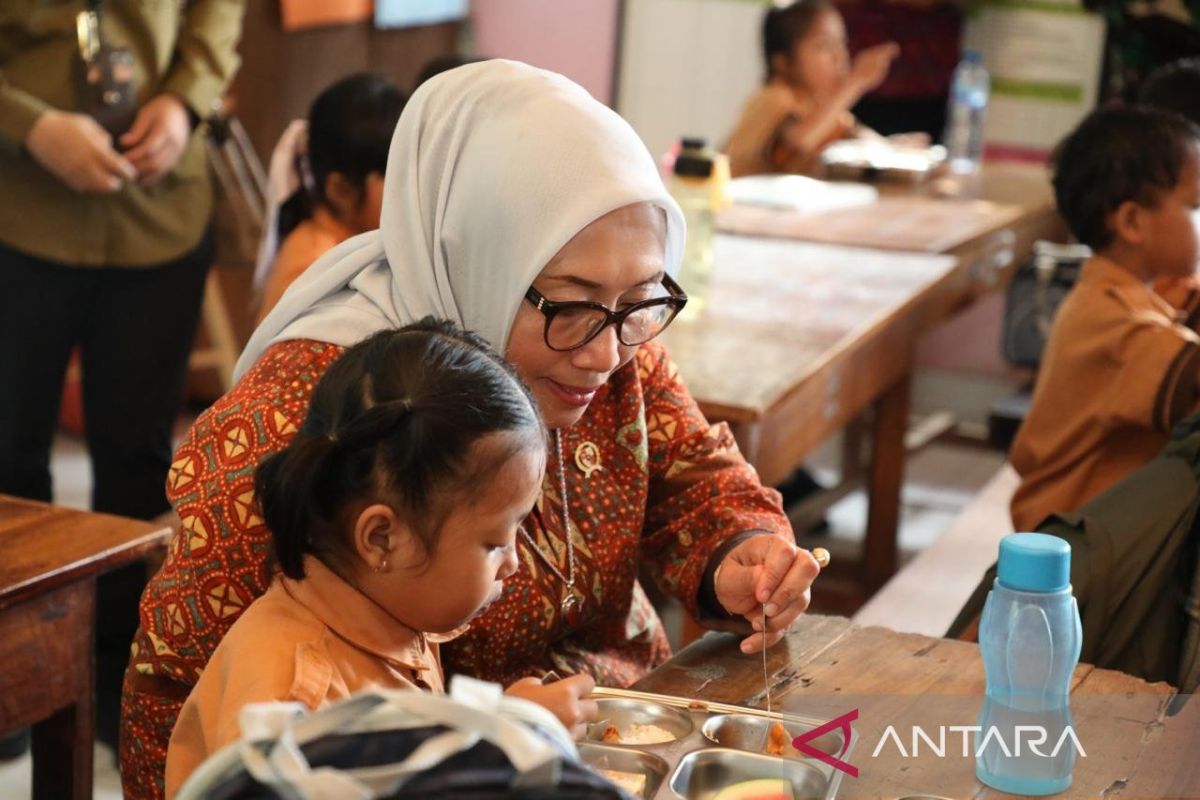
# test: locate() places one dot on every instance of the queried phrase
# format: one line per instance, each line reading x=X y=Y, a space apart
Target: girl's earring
x=382 y=567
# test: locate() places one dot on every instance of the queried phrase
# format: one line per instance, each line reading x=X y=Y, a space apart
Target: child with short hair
x=342 y=159
x=811 y=84
x=1175 y=87
x=393 y=514
x=1122 y=365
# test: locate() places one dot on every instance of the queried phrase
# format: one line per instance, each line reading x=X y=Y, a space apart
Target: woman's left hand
x=768 y=569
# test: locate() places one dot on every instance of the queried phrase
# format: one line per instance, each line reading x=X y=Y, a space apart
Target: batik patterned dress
x=649 y=483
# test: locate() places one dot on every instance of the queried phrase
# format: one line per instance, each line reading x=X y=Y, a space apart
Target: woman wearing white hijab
x=517 y=206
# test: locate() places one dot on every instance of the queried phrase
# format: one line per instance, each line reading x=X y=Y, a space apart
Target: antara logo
x=801 y=742
x=1033 y=736
x=1022 y=739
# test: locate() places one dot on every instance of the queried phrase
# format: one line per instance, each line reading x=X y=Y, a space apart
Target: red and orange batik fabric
x=218 y=561
x=648 y=480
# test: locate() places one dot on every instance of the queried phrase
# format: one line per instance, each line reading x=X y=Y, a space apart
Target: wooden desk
x=50 y=560
x=988 y=233
x=800 y=338
x=827 y=666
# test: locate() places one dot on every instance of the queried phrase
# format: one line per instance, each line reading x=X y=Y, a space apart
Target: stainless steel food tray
x=717 y=745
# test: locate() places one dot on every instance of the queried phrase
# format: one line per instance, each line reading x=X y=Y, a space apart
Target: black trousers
x=135 y=329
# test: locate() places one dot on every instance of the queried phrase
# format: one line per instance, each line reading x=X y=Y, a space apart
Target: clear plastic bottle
x=1030 y=637
x=969 y=90
x=693 y=184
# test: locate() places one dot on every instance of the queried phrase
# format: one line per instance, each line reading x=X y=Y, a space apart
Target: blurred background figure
x=811 y=84
x=104 y=212
x=912 y=97
x=334 y=165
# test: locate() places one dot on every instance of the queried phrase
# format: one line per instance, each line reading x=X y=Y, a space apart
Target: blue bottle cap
x=972 y=56
x=1034 y=562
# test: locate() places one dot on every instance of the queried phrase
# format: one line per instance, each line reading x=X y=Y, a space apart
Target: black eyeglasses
x=572 y=324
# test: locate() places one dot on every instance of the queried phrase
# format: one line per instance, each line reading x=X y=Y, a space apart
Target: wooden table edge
x=100 y=563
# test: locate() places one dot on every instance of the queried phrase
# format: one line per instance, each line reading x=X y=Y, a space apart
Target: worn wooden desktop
x=802 y=335
x=49 y=560
x=826 y=666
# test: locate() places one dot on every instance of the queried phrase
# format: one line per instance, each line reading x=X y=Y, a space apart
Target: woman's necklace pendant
x=572 y=608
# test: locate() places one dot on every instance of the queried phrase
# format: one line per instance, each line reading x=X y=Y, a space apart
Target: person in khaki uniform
x=104 y=208
x=1122 y=364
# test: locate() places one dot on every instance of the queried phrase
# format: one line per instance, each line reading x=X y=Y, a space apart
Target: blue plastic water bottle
x=1030 y=637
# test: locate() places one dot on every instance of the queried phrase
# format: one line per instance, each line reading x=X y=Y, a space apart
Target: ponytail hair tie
x=402 y=406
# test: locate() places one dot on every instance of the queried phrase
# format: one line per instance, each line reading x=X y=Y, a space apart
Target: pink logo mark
x=801 y=742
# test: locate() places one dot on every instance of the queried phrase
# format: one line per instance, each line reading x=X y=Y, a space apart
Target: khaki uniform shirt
x=184 y=47
x=312 y=641
x=1121 y=367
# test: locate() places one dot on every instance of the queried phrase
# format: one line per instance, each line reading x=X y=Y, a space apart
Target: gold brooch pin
x=587 y=458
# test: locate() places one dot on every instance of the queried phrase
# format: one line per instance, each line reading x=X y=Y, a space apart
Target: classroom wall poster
x=410 y=13
x=1045 y=59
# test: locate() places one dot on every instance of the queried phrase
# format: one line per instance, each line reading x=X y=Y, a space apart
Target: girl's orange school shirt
x=310 y=240
x=757 y=144
x=314 y=641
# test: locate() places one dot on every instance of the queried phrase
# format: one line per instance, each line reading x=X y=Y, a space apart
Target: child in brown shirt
x=349 y=132
x=810 y=87
x=1122 y=364
x=393 y=515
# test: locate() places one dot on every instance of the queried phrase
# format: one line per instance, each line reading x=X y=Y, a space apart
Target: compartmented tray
x=714 y=746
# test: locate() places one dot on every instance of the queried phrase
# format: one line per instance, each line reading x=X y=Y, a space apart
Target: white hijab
x=493 y=168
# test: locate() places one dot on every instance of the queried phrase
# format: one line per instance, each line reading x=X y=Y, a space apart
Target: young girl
x=811 y=85
x=340 y=180
x=394 y=514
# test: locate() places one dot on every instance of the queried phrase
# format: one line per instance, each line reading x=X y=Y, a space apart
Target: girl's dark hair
x=1118 y=154
x=350 y=127
x=783 y=26
x=393 y=420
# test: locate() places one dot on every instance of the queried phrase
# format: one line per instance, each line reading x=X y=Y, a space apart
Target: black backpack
x=1034 y=296
x=474 y=743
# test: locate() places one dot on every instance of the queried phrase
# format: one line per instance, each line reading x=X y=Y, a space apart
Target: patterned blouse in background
x=670 y=490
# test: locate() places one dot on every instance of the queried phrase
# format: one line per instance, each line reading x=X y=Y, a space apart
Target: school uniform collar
x=360 y=621
x=1100 y=270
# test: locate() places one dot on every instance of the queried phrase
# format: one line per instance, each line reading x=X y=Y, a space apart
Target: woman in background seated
x=810 y=87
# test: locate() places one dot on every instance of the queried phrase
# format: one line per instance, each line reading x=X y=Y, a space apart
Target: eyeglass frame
x=677 y=299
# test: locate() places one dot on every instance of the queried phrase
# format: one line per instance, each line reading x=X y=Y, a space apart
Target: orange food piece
x=777 y=740
x=610 y=734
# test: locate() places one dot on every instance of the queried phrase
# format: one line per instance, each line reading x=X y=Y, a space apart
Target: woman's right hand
x=871 y=66
x=566 y=699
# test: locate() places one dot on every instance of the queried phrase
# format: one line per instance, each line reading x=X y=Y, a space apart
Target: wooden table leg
x=63 y=741
x=68 y=730
x=886 y=474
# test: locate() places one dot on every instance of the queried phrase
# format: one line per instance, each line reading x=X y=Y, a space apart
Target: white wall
x=577 y=38
x=686 y=67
